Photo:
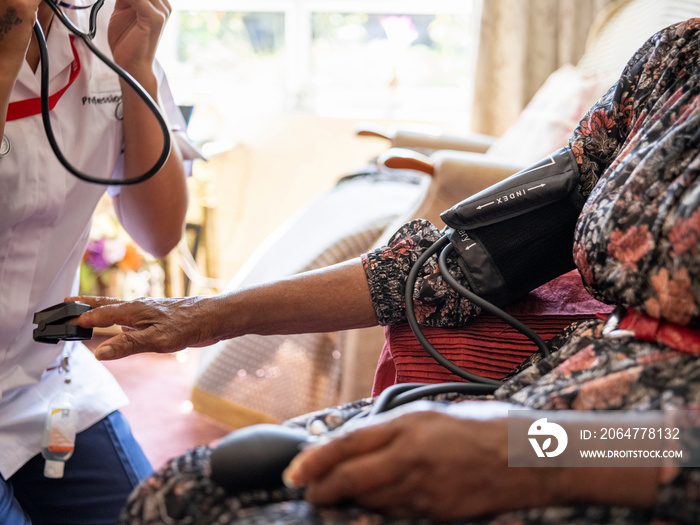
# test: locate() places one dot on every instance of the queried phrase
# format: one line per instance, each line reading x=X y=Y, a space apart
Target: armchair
x=255 y=379
x=461 y=166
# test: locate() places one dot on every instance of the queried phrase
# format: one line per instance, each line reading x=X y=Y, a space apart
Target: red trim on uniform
x=30 y=107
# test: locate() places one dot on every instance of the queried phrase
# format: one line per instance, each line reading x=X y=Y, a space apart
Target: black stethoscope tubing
x=45 y=111
x=403 y=393
x=443 y=246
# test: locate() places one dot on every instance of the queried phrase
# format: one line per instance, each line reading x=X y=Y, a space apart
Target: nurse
x=45 y=217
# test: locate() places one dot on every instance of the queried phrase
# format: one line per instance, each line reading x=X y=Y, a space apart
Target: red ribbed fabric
x=486 y=346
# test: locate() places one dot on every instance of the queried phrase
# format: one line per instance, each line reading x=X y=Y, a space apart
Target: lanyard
x=27 y=108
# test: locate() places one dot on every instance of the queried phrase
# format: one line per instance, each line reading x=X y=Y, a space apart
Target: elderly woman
x=636 y=245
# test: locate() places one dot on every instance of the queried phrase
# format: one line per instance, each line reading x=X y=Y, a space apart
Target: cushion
x=486 y=346
x=549 y=118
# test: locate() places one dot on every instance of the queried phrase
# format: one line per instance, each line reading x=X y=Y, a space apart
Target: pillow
x=486 y=346
x=549 y=118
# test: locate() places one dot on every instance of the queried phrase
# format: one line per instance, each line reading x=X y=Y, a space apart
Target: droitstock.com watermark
x=571 y=438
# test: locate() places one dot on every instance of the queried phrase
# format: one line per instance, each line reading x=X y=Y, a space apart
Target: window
x=233 y=59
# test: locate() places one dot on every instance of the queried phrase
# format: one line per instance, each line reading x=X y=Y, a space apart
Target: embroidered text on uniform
x=111 y=99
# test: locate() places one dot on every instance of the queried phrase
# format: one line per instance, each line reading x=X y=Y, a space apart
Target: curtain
x=522 y=42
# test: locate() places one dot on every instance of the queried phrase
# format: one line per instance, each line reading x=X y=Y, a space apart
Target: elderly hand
x=150 y=325
x=434 y=465
x=294 y=305
x=422 y=464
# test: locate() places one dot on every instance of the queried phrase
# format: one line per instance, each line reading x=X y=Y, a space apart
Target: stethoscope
x=140 y=91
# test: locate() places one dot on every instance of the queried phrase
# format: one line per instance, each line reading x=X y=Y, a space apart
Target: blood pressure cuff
x=518 y=234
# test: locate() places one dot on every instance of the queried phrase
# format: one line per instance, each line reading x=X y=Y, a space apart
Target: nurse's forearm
x=152 y=212
x=16 y=23
x=7 y=83
x=4 y=100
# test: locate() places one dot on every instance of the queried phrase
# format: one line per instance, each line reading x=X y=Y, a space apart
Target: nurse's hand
x=134 y=31
x=150 y=325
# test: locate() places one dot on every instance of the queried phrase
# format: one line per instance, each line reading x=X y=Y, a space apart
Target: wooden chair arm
x=418 y=139
x=405 y=159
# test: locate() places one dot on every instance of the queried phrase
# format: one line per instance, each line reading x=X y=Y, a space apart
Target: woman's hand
x=422 y=464
x=134 y=31
x=434 y=465
x=294 y=305
x=149 y=325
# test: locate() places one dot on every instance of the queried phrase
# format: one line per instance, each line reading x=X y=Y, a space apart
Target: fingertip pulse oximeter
x=52 y=327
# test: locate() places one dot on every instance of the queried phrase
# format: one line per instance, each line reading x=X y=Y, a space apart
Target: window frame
x=298 y=26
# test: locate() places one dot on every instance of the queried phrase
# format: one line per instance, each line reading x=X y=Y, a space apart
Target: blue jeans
x=105 y=467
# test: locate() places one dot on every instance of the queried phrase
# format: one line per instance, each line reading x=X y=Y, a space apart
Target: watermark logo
x=603 y=438
x=544 y=429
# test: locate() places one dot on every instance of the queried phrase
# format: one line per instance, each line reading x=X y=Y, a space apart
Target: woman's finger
x=317 y=461
x=135 y=342
x=105 y=313
x=359 y=476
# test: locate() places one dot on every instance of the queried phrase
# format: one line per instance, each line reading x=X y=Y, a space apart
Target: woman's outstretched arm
x=329 y=299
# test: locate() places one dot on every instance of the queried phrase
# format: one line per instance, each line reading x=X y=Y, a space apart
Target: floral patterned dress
x=636 y=245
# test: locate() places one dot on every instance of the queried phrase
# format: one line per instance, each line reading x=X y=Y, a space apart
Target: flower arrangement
x=112 y=264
